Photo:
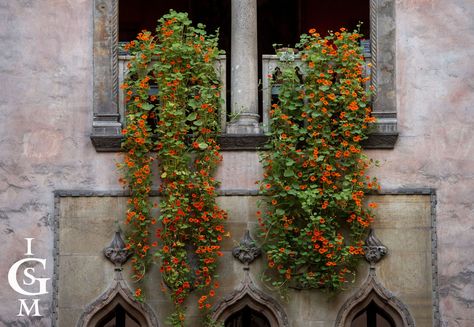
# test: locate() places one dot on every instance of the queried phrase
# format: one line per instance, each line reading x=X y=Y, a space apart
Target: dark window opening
x=279 y=22
x=282 y=22
x=137 y=15
x=372 y=316
x=247 y=318
x=118 y=317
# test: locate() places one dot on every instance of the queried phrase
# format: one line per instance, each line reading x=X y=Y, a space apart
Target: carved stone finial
x=247 y=251
x=116 y=252
x=374 y=249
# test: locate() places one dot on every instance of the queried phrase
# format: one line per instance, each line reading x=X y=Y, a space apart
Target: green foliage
x=313 y=219
x=178 y=126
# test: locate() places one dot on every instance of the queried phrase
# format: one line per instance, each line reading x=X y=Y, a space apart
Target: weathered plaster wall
x=45 y=117
x=435 y=88
x=46 y=112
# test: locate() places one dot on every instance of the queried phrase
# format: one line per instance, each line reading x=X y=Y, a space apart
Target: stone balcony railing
x=270 y=66
x=123 y=60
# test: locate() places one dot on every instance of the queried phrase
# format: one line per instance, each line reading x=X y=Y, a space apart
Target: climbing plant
x=177 y=126
x=313 y=218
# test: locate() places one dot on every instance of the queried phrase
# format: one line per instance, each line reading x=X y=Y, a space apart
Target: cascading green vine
x=180 y=124
x=314 y=220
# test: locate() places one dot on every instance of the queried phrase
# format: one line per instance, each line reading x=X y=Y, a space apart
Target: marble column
x=244 y=68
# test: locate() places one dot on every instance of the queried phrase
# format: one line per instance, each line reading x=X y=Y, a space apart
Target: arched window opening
x=117 y=308
x=246 y=317
x=118 y=317
x=374 y=306
x=372 y=316
x=248 y=306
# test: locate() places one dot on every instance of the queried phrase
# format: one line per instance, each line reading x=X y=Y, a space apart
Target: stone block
x=82 y=279
x=410 y=239
x=239 y=208
x=90 y=207
x=407 y=272
x=402 y=211
x=70 y=242
x=69 y=316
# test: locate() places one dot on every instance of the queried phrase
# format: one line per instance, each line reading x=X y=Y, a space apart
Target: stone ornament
x=116 y=252
x=374 y=249
x=247 y=251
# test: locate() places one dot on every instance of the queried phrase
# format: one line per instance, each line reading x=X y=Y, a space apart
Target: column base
x=246 y=123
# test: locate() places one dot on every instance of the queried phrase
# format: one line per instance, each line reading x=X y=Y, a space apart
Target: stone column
x=244 y=68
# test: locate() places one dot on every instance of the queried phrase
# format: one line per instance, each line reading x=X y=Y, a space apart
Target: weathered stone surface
x=405 y=272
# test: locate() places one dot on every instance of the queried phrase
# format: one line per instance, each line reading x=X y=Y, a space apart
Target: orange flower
x=138 y=292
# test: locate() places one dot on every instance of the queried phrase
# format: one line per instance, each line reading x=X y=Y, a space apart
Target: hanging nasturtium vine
x=178 y=126
x=313 y=219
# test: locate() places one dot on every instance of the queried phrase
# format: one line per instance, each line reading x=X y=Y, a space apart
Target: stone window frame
x=118 y=293
x=106 y=123
x=374 y=291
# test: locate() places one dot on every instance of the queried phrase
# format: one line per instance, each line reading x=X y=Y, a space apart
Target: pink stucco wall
x=46 y=112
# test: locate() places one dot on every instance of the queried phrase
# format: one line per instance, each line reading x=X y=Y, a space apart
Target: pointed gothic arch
x=247 y=295
x=117 y=297
x=374 y=293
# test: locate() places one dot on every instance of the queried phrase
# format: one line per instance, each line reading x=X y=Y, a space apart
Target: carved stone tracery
x=373 y=290
x=247 y=294
x=117 y=294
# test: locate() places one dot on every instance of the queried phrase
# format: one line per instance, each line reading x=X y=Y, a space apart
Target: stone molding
x=117 y=293
x=247 y=294
x=106 y=125
x=106 y=118
x=248 y=142
x=373 y=290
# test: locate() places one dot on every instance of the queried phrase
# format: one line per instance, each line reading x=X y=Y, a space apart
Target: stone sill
x=244 y=142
